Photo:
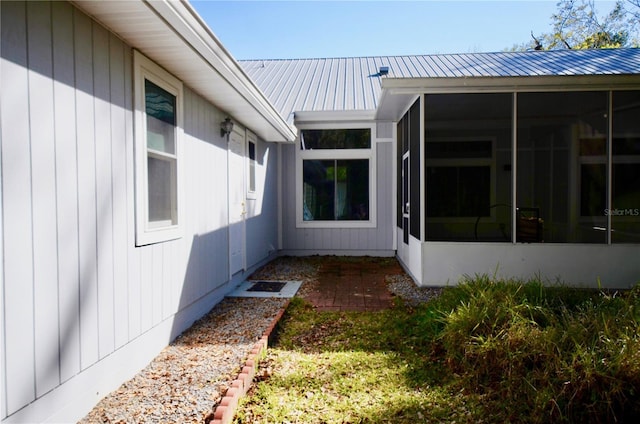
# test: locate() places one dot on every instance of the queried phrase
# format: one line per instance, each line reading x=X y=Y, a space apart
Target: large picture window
x=158 y=99
x=336 y=190
x=336 y=178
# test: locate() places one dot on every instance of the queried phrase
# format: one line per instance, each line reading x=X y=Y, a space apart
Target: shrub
x=544 y=353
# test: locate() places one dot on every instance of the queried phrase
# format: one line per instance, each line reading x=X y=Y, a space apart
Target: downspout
x=279 y=197
x=514 y=166
x=226 y=138
x=609 y=165
x=423 y=175
x=394 y=182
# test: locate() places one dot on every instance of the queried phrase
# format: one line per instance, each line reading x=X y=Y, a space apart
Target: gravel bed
x=303 y=269
x=188 y=379
x=403 y=286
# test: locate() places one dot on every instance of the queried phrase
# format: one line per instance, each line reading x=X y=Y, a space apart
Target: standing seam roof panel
x=320 y=100
x=374 y=85
x=339 y=91
x=311 y=95
x=304 y=84
x=282 y=88
x=354 y=83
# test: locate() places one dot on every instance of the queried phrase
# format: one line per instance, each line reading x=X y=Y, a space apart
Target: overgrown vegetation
x=483 y=351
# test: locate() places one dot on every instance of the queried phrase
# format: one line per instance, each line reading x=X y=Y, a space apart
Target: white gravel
x=404 y=287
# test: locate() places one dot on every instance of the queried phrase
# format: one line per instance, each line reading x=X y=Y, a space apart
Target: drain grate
x=267 y=286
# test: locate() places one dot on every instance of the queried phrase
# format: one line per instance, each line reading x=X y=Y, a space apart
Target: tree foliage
x=577 y=24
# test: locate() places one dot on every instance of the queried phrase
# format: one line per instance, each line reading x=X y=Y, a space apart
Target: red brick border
x=226 y=409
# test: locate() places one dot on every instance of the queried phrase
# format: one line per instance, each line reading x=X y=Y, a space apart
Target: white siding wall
x=344 y=241
x=262 y=212
x=83 y=308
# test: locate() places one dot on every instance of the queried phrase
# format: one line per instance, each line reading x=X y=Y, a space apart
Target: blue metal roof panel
x=345 y=84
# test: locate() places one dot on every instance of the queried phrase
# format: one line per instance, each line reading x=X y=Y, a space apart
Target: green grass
x=484 y=351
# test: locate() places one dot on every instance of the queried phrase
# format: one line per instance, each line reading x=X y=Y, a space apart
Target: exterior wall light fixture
x=226 y=127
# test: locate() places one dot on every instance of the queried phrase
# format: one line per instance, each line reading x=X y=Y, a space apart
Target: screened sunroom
x=519 y=182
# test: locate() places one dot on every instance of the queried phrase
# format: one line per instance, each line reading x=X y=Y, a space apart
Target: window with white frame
x=251 y=166
x=158 y=135
x=336 y=184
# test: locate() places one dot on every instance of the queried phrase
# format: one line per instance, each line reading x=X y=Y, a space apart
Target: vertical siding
x=66 y=199
x=104 y=195
x=43 y=196
x=118 y=70
x=205 y=186
x=329 y=239
x=19 y=349
x=87 y=213
x=262 y=217
x=76 y=288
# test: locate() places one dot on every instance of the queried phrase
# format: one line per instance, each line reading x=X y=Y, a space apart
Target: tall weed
x=544 y=353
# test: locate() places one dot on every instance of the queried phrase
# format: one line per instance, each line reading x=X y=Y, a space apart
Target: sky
x=318 y=29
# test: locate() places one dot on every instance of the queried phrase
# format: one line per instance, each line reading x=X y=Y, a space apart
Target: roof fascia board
x=399 y=93
x=334 y=116
x=192 y=29
x=510 y=84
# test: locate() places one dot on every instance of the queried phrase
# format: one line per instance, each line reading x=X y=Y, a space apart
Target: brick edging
x=226 y=409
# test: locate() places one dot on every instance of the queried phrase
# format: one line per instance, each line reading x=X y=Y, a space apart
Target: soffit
x=174 y=36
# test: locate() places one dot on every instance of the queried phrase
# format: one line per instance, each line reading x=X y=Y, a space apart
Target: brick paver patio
x=346 y=284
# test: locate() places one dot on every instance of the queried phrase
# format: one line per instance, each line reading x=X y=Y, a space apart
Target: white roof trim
x=173 y=35
x=525 y=83
x=334 y=116
x=398 y=92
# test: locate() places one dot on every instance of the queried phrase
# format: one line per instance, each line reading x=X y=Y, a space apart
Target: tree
x=578 y=25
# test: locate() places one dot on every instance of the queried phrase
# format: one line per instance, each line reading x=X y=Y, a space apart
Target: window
x=251 y=165
x=335 y=139
x=158 y=121
x=336 y=190
x=336 y=178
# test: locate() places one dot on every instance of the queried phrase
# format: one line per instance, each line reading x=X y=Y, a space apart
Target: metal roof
x=355 y=84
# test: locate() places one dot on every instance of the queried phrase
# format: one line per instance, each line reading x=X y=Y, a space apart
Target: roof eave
x=397 y=93
x=202 y=63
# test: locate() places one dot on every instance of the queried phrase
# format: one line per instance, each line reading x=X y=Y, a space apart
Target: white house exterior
x=127 y=213
x=512 y=164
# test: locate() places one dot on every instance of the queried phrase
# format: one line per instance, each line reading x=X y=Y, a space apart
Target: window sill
x=158 y=235
x=336 y=224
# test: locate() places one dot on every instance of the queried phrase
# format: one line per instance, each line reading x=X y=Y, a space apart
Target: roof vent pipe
x=384 y=70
